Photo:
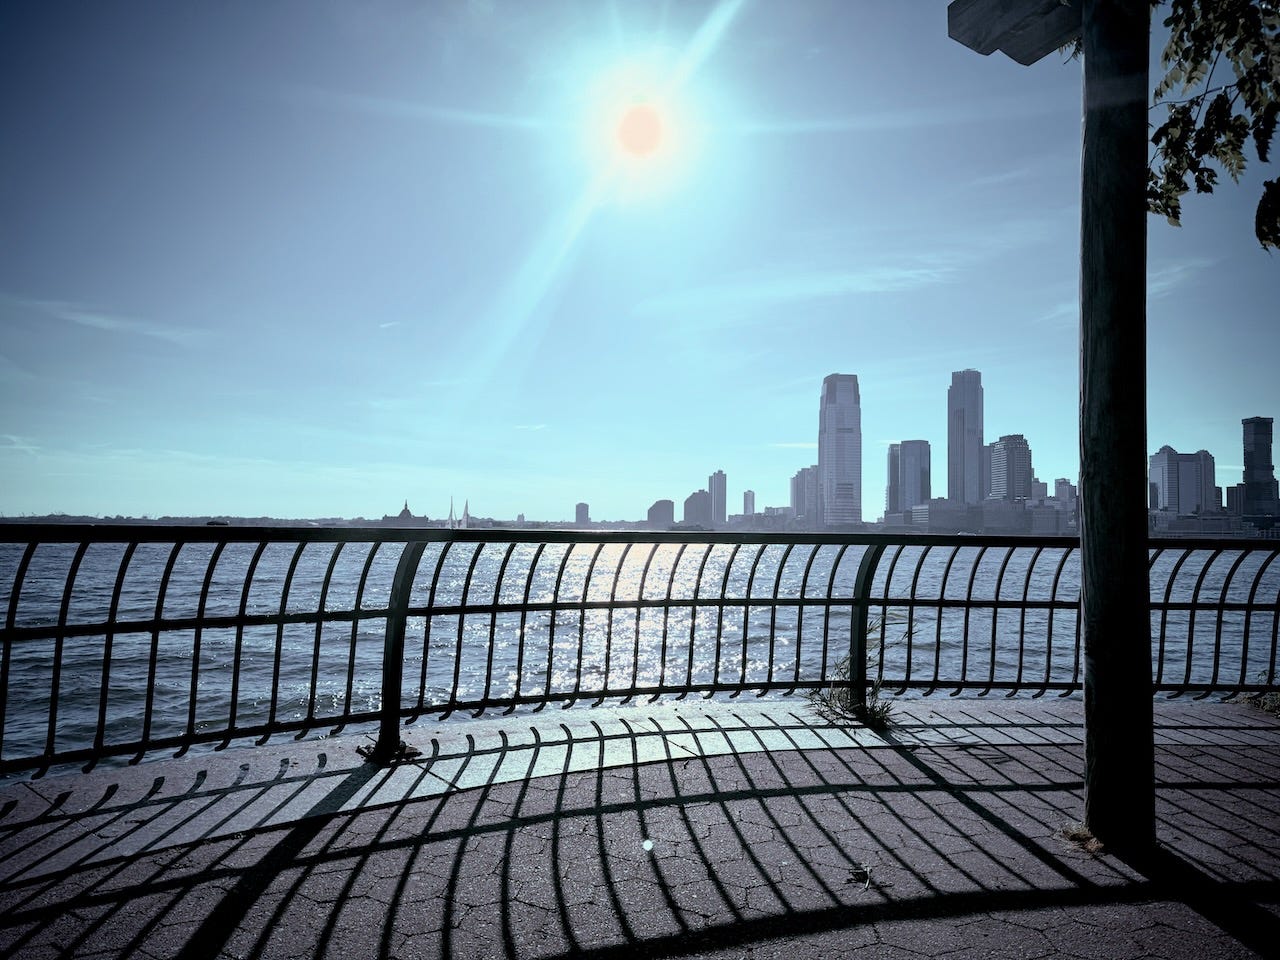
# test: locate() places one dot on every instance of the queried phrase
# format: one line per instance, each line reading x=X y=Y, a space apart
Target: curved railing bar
x=100 y=731
x=608 y=624
x=493 y=624
x=582 y=623
x=1048 y=635
x=814 y=549
x=356 y=605
x=635 y=649
x=942 y=609
x=554 y=614
x=693 y=618
x=911 y=611
x=524 y=615
x=724 y=588
x=1217 y=633
x=884 y=618
x=1164 y=609
x=428 y=621
x=1022 y=620
x=149 y=704
x=452 y=703
x=10 y=622
x=773 y=617
x=666 y=621
x=826 y=614
x=279 y=652
x=995 y=617
x=746 y=621
x=1248 y=610
x=321 y=605
x=1191 y=623
x=195 y=642
x=237 y=657
x=55 y=684
x=968 y=606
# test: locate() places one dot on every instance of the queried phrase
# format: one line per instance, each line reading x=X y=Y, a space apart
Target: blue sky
x=312 y=259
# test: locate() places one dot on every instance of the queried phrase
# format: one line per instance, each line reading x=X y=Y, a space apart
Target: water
x=674 y=634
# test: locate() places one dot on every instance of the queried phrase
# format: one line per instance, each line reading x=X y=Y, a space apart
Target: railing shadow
x=661 y=840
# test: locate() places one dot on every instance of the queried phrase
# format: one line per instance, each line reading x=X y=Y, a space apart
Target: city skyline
x=291 y=260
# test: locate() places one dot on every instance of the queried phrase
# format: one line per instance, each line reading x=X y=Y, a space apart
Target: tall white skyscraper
x=964 y=437
x=718 y=489
x=840 y=450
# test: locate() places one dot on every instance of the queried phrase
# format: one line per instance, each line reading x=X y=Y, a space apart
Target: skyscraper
x=716 y=487
x=840 y=450
x=964 y=437
x=1260 y=488
x=662 y=514
x=697 y=509
x=908 y=482
x=1011 y=471
x=916 y=487
x=804 y=496
x=893 y=481
x=582 y=514
x=749 y=503
x=1184 y=483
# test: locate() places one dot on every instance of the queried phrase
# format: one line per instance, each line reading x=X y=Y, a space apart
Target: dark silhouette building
x=1260 y=494
x=964 y=438
x=662 y=514
x=697 y=509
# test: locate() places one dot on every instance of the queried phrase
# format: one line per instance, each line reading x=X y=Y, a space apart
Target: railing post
x=393 y=652
x=861 y=625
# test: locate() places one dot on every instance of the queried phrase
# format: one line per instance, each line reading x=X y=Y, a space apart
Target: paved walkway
x=719 y=829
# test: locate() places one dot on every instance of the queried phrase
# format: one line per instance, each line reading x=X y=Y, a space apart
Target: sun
x=640 y=130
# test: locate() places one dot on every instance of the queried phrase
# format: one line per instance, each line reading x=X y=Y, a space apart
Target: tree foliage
x=1220 y=92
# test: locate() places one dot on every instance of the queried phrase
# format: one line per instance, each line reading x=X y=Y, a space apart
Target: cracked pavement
x=713 y=829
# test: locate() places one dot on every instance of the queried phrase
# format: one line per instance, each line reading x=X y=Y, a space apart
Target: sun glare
x=639 y=131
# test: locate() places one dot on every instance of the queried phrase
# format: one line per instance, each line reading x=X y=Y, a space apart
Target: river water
x=675 y=633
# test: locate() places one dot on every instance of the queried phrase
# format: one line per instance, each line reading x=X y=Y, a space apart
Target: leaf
x=1264 y=129
x=1267 y=220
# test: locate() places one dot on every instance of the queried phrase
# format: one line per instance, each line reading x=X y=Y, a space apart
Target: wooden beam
x=1025 y=30
x=1115 y=618
x=1051 y=32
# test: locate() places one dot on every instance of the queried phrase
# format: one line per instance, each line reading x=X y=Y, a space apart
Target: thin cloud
x=113 y=323
x=531 y=426
x=793 y=286
x=9 y=441
x=933 y=116
x=1163 y=281
x=1064 y=314
x=10 y=372
x=413 y=110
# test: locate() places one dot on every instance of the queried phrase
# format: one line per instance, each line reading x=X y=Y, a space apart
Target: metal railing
x=120 y=640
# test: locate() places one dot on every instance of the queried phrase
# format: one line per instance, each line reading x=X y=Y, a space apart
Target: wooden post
x=1119 y=779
